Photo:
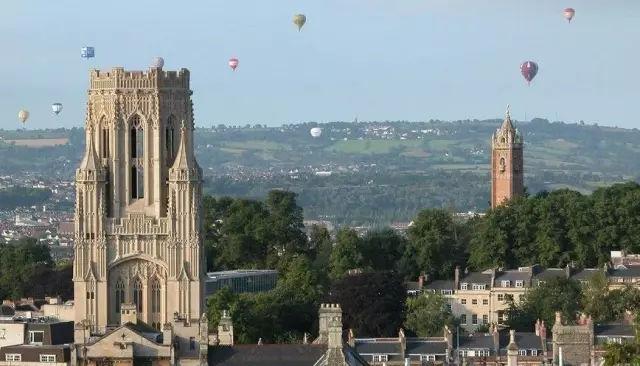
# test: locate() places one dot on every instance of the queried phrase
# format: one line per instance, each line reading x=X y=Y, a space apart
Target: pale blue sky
x=377 y=59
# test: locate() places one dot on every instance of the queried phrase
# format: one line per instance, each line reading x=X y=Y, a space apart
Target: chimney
x=456 y=278
x=448 y=337
x=496 y=338
x=558 y=318
x=330 y=325
x=567 y=271
x=537 y=327
x=421 y=279
x=225 y=329
x=128 y=314
x=512 y=349
x=403 y=342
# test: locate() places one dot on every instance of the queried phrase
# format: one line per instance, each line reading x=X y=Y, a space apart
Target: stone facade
x=138 y=221
x=507 y=175
x=572 y=343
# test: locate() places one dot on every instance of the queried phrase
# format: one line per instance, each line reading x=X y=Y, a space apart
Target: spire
x=184 y=157
x=89 y=162
x=507 y=125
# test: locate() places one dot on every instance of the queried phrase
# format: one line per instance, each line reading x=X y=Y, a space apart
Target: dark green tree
x=428 y=314
x=346 y=254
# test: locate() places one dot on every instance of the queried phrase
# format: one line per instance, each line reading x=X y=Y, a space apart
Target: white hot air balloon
x=23 y=116
x=56 y=108
x=316 y=132
x=158 y=62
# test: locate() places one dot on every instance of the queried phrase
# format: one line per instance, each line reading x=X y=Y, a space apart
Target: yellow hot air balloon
x=23 y=115
x=299 y=20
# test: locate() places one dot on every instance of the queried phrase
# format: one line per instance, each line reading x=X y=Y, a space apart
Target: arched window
x=137 y=294
x=502 y=165
x=155 y=296
x=119 y=295
x=169 y=139
x=104 y=139
x=137 y=152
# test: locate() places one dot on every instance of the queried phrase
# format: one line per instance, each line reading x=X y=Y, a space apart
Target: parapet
x=154 y=78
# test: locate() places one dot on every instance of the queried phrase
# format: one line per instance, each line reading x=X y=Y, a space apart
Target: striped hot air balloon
x=529 y=70
x=569 y=13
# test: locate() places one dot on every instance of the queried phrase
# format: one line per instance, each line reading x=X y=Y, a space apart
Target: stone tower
x=138 y=204
x=507 y=176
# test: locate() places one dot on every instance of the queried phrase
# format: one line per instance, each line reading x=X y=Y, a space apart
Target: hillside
x=367 y=172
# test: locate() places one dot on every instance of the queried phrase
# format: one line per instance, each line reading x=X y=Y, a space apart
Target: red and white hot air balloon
x=569 y=13
x=529 y=70
x=233 y=63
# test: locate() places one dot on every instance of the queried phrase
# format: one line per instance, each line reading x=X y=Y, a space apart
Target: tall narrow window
x=137 y=295
x=155 y=297
x=119 y=295
x=137 y=164
x=104 y=153
x=170 y=139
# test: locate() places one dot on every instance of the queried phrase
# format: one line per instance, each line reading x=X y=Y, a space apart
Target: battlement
x=154 y=78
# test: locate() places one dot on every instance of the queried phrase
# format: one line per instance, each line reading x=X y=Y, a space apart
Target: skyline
x=287 y=76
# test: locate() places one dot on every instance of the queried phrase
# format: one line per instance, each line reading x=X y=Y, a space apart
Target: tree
x=346 y=254
x=434 y=246
x=596 y=298
x=428 y=314
x=557 y=294
x=372 y=303
x=321 y=246
x=382 y=249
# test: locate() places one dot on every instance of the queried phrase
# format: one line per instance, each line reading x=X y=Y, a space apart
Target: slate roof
x=266 y=355
x=440 y=285
x=549 y=273
x=524 y=340
x=476 y=341
x=586 y=274
x=614 y=330
x=6 y=310
x=386 y=347
x=512 y=276
x=629 y=271
x=477 y=277
x=415 y=347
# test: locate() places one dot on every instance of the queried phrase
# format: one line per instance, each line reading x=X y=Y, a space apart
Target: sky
x=372 y=59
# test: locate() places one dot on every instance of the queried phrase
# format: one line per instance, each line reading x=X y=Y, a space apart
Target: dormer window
x=506 y=283
x=463 y=286
x=520 y=283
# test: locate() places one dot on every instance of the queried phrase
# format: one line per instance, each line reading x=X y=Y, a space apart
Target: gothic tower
x=506 y=163
x=138 y=204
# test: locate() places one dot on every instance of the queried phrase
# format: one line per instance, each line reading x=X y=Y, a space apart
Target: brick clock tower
x=507 y=175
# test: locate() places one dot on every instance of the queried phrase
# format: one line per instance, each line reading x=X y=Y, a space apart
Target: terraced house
x=482 y=298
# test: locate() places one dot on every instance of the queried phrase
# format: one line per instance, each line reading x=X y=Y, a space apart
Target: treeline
x=551 y=229
x=13 y=197
x=27 y=270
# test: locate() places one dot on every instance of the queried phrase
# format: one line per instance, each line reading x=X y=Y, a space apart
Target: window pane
x=140 y=180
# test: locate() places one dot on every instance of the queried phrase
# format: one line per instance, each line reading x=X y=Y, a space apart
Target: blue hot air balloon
x=87 y=52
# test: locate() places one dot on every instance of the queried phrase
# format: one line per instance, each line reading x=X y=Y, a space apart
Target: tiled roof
x=629 y=271
x=524 y=340
x=586 y=274
x=266 y=355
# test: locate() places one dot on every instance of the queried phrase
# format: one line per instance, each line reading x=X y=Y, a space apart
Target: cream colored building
x=138 y=234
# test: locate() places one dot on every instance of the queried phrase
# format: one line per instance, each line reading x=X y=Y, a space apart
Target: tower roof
x=184 y=157
x=507 y=124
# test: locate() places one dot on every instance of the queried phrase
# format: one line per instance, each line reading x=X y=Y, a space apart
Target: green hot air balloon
x=299 y=20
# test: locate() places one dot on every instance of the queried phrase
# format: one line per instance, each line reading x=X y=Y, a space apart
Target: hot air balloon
x=88 y=52
x=569 y=13
x=57 y=108
x=299 y=20
x=316 y=132
x=529 y=69
x=23 y=116
x=158 y=62
x=233 y=63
